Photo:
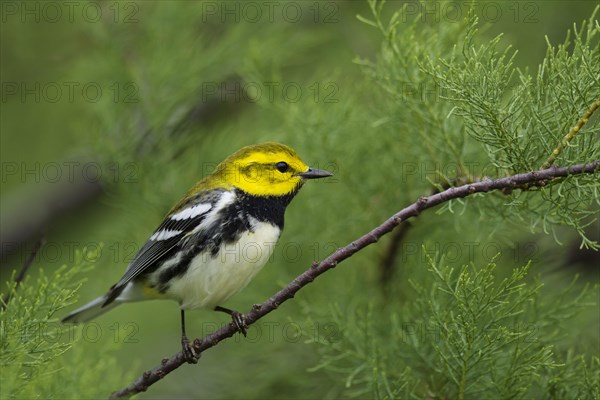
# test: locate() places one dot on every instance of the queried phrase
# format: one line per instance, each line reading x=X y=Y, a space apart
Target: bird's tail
x=91 y=310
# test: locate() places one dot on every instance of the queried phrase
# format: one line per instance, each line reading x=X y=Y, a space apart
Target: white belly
x=210 y=282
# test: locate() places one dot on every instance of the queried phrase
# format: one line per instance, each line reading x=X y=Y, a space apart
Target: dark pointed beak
x=314 y=174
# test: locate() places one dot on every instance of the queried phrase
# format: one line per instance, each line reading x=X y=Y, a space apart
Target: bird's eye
x=282 y=166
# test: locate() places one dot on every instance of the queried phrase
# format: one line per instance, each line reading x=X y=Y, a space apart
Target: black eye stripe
x=282 y=166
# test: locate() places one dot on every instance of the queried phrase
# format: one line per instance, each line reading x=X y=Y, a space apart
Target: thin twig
x=571 y=134
x=258 y=311
x=19 y=278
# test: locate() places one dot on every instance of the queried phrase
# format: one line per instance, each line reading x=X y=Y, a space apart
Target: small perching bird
x=196 y=255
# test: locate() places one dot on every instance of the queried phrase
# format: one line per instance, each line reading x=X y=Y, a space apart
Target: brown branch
x=571 y=134
x=258 y=311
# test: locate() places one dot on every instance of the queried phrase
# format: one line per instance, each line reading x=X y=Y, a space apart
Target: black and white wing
x=165 y=240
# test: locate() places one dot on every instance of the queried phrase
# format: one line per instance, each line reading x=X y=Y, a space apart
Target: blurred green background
x=111 y=110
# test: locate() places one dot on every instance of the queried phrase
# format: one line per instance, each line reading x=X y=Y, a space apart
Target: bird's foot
x=189 y=352
x=236 y=318
x=239 y=322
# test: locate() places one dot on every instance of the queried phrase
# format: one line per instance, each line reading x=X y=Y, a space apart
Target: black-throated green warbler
x=190 y=257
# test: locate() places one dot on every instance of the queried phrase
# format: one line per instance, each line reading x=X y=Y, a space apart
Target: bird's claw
x=189 y=352
x=237 y=319
x=239 y=322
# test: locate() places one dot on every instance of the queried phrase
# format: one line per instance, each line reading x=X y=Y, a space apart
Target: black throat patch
x=269 y=209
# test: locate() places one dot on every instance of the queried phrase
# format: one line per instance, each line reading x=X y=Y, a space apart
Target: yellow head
x=267 y=169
